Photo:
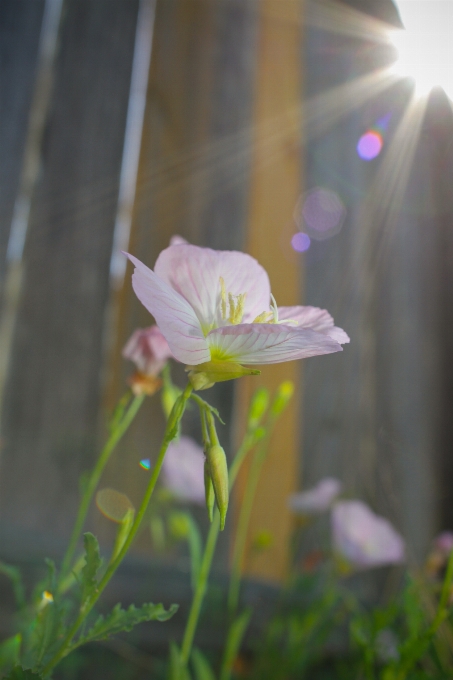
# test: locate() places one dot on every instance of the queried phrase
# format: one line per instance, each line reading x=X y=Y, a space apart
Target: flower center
x=231 y=307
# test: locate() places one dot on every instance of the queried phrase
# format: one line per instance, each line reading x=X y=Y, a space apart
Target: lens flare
x=425 y=47
x=370 y=145
x=300 y=242
x=113 y=504
x=145 y=463
x=320 y=213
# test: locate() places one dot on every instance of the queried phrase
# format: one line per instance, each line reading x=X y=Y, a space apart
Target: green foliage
x=201 y=667
x=92 y=565
x=233 y=642
x=10 y=653
x=18 y=673
x=124 y=620
x=15 y=577
x=177 y=668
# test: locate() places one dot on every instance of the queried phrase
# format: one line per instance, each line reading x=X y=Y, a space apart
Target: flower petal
x=317 y=319
x=183 y=469
x=194 y=273
x=317 y=499
x=267 y=343
x=174 y=316
x=363 y=538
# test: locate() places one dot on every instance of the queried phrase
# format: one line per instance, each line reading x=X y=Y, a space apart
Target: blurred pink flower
x=215 y=309
x=444 y=542
x=148 y=349
x=362 y=538
x=183 y=469
x=317 y=499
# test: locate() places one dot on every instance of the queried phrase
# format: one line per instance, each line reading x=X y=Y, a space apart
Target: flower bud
x=209 y=491
x=258 y=407
x=284 y=393
x=218 y=469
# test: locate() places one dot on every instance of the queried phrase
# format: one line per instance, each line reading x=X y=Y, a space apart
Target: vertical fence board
x=20 y=26
x=51 y=410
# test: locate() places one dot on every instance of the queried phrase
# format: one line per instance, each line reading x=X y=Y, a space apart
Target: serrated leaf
x=18 y=673
x=9 y=652
x=125 y=619
x=201 y=666
x=92 y=565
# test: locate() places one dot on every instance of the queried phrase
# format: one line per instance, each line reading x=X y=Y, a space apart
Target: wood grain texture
x=275 y=187
x=50 y=416
x=20 y=27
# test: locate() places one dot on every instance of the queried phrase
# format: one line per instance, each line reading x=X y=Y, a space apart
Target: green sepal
x=218 y=470
x=209 y=491
x=203 y=376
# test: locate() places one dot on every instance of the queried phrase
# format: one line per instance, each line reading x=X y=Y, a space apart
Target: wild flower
x=149 y=351
x=362 y=538
x=183 y=470
x=217 y=313
x=317 y=499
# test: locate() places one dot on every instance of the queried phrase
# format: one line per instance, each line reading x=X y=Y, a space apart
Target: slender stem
x=244 y=519
x=200 y=590
x=170 y=433
x=93 y=481
x=211 y=542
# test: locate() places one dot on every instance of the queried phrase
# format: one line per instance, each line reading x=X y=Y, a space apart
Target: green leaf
x=201 y=666
x=177 y=670
x=9 y=652
x=233 y=642
x=125 y=619
x=15 y=577
x=92 y=565
x=18 y=673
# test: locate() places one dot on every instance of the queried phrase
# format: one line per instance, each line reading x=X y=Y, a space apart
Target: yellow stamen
x=223 y=302
x=264 y=317
x=237 y=303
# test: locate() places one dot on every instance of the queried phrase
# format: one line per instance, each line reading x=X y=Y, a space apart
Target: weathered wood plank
x=275 y=186
x=51 y=410
x=20 y=27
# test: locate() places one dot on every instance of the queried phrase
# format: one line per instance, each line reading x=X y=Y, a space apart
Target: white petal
x=268 y=343
x=317 y=319
x=174 y=316
x=195 y=272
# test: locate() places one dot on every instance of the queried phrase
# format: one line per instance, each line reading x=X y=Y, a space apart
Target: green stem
x=93 y=481
x=244 y=518
x=205 y=568
x=200 y=590
x=170 y=433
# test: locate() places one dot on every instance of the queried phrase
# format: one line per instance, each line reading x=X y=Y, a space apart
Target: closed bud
x=219 y=474
x=284 y=393
x=258 y=407
x=209 y=491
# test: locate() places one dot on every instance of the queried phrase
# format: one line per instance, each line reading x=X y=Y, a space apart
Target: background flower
x=362 y=538
x=148 y=349
x=183 y=470
x=317 y=499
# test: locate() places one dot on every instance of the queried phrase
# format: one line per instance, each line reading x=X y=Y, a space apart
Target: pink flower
x=362 y=538
x=216 y=311
x=148 y=349
x=444 y=543
x=183 y=469
x=317 y=499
